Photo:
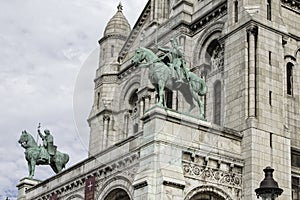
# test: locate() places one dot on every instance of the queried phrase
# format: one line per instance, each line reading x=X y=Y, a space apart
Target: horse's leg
x=32 y=168
x=161 y=93
x=199 y=102
x=190 y=100
x=29 y=169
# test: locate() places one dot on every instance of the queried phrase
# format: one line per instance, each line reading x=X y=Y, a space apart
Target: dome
x=118 y=24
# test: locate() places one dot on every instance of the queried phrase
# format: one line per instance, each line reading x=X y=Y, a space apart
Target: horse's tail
x=66 y=160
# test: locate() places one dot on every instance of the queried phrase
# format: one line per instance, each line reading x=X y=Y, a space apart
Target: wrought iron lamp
x=268 y=189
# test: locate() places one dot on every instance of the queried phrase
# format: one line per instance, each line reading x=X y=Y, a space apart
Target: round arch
x=213 y=191
x=75 y=196
x=297 y=53
x=128 y=89
x=211 y=33
x=117 y=194
x=115 y=184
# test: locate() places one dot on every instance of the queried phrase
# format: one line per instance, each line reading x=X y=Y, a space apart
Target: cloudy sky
x=48 y=58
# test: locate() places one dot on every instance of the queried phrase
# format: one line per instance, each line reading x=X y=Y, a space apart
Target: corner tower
x=115 y=34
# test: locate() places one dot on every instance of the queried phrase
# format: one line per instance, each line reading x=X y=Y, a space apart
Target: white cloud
x=43 y=47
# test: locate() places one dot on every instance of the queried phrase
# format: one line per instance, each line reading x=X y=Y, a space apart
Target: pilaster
x=24 y=185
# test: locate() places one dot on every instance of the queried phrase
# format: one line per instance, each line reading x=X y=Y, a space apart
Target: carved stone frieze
x=106 y=78
x=206 y=173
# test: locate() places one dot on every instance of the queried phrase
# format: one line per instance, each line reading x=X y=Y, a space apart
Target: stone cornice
x=114 y=36
x=217 y=12
x=293 y=5
x=140 y=185
x=173 y=184
x=252 y=23
x=191 y=121
x=106 y=78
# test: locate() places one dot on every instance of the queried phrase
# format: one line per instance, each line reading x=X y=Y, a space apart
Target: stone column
x=126 y=123
x=147 y=102
x=106 y=119
x=252 y=32
x=142 y=103
x=142 y=107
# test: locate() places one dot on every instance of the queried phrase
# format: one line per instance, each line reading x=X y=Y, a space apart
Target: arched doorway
x=206 y=196
x=117 y=194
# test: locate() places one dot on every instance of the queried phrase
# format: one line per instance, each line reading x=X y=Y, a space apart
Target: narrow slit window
x=289 y=78
x=270 y=58
x=269 y=11
x=270 y=98
x=112 y=50
x=98 y=100
x=236 y=11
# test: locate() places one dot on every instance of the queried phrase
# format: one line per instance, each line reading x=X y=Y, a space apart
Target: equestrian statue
x=46 y=154
x=174 y=75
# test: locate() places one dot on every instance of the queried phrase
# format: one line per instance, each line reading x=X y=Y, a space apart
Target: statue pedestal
x=161 y=175
x=24 y=185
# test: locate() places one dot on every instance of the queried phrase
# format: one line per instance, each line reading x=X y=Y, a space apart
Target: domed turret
x=118 y=24
x=115 y=35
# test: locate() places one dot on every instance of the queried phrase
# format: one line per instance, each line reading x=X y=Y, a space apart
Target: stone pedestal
x=167 y=139
x=24 y=185
x=160 y=175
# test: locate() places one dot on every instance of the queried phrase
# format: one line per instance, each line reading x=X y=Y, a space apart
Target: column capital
x=252 y=29
x=106 y=117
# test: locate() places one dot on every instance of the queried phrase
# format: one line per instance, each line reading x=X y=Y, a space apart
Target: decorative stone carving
x=293 y=5
x=217 y=58
x=214 y=175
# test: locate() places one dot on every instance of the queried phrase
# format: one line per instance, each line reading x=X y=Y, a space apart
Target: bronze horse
x=32 y=155
x=160 y=76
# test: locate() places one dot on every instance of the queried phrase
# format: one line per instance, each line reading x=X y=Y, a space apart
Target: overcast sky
x=48 y=58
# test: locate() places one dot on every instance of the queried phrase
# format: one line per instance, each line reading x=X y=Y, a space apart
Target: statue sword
x=37 y=135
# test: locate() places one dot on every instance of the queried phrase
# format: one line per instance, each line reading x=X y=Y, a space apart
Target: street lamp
x=268 y=189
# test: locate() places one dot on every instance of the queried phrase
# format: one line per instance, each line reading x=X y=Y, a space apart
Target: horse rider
x=178 y=62
x=48 y=143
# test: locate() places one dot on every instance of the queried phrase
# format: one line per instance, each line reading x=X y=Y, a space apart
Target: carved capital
x=252 y=29
x=106 y=117
x=284 y=40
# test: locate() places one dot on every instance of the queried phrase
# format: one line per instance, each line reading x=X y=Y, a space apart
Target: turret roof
x=118 y=24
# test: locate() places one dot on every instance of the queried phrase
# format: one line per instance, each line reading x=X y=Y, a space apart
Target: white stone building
x=248 y=51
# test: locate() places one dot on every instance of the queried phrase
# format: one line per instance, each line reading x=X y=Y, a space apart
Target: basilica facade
x=248 y=53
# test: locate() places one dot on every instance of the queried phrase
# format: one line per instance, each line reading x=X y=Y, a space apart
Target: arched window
x=117 y=194
x=289 y=78
x=207 y=196
x=217 y=103
x=133 y=102
x=133 y=99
